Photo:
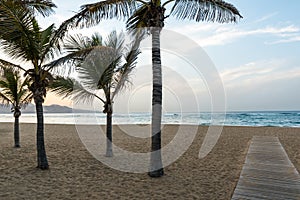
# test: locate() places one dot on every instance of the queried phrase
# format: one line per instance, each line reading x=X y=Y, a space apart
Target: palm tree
x=22 y=39
x=14 y=91
x=151 y=16
x=102 y=67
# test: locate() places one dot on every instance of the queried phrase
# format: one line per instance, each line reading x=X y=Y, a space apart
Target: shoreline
x=167 y=124
x=75 y=174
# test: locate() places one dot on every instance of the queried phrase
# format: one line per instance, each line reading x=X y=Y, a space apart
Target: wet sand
x=75 y=174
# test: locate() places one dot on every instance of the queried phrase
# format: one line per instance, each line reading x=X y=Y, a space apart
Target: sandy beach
x=75 y=174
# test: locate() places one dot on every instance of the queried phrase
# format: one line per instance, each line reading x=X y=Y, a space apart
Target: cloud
x=221 y=34
x=256 y=74
x=245 y=72
x=266 y=17
x=263 y=85
x=225 y=36
x=288 y=40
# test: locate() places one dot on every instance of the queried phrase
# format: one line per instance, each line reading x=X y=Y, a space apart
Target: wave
x=288 y=113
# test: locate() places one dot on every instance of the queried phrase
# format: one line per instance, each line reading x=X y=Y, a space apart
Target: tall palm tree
x=22 y=39
x=14 y=91
x=151 y=15
x=102 y=67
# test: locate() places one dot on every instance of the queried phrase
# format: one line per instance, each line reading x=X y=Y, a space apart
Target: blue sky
x=257 y=58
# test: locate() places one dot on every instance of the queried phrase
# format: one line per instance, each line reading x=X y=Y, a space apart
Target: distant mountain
x=57 y=109
x=47 y=109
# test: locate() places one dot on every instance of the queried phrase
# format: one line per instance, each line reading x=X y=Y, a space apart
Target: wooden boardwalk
x=268 y=172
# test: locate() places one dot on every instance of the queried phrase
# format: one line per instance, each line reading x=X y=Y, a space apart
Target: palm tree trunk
x=109 y=150
x=17 y=132
x=41 y=152
x=156 y=167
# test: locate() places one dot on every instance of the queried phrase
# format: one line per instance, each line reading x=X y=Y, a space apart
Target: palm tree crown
x=14 y=91
x=101 y=66
x=140 y=14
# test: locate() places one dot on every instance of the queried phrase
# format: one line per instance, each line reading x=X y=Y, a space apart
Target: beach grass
x=75 y=174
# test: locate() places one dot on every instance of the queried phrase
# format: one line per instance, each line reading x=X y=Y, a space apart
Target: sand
x=75 y=174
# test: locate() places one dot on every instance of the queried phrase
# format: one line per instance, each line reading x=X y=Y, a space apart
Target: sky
x=256 y=60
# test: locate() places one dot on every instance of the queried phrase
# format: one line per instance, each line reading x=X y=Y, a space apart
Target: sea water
x=266 y=118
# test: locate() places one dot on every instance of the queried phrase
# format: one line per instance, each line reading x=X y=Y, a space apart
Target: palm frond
x=56 y=42
x=46 y=51
x=18 y=31
x=121 y=76
x=205 y=10
x=43 y=7
x=96 y=40
x=13 y=89
x=4 y=99
x=9 y=84
x=139 y=19
x=5 y=64
x=68 y=63
x=5 y=93
x=26 y=99
x=25 y=95
x=72 y=89
x=106 y=79
x=96 y=65
x=57 y=39
x=115 y=41
x=62 y=86
x=92 y=14
x=77 y=48
x=3 y=84
x=60 y=33
x=76 y=42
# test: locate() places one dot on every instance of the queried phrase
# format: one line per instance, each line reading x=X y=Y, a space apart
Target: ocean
x=266 y=118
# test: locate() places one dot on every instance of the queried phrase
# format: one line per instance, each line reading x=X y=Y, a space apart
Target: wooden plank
x=268 y=172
